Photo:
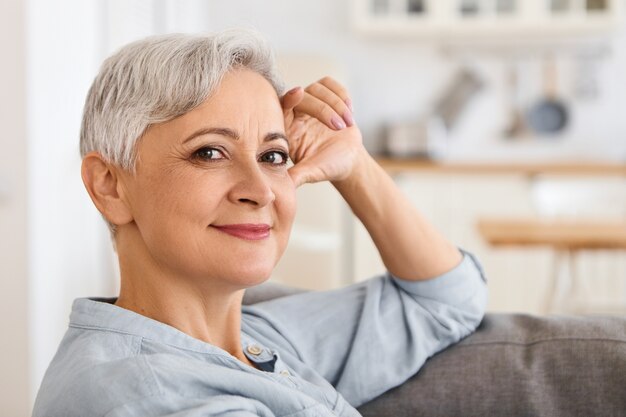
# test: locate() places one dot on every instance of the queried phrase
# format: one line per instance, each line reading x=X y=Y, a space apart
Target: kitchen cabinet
x=486 y=19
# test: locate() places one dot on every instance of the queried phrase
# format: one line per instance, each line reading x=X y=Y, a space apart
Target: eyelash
x=197 y=155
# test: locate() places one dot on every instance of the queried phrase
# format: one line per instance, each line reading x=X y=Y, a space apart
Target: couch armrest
x=519 y=365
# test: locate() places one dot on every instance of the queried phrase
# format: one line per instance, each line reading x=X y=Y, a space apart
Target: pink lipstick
x=247 y=231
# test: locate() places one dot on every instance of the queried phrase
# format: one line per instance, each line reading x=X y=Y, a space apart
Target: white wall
x=14 y=357
x=68 y=248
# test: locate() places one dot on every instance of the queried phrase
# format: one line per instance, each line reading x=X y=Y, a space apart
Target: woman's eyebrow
x=222 y=131
x=275 y=136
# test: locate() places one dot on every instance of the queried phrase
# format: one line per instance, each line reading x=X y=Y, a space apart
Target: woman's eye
x=275 y=157
x=208 y=153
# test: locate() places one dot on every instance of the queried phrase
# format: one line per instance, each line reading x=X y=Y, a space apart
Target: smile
x=246 y=231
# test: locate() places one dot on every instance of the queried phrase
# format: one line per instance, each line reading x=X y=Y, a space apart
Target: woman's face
x=211 y=197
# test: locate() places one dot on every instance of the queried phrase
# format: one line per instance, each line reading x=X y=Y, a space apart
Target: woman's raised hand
x=325 y=143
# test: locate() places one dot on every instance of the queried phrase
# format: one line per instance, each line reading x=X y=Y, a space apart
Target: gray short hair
x=162 y=77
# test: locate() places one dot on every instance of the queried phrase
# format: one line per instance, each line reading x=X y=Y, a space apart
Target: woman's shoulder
x=96 y=371
x=93 y=372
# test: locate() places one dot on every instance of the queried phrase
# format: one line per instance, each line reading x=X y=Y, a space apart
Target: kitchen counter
x=600 y=168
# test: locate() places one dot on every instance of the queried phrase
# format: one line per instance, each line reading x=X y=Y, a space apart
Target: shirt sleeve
x=372 y=336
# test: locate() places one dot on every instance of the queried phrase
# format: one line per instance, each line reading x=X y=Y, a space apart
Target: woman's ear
x=103 y=184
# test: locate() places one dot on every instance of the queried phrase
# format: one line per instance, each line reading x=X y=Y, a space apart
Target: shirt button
x=285 y=372
x=254 y=350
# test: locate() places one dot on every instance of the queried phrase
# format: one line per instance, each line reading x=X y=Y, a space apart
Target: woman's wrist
x=364 y=167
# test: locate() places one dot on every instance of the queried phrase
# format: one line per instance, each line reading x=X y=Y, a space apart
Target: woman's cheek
x=287 y=199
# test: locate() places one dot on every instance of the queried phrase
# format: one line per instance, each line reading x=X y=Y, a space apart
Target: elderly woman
x=187 y=143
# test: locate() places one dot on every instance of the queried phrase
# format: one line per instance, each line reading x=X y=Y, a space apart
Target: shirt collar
x=102 y=314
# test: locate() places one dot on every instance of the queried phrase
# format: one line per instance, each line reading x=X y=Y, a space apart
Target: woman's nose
x=252 y=187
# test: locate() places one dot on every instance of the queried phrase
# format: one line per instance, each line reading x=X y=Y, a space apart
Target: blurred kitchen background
x=502 y=120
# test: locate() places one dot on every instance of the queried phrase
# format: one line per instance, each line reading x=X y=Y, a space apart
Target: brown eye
x=208 y=154
x=275 y=158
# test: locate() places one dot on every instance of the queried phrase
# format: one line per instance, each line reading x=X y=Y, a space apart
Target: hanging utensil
x=457 y=95
x=516 y=126
x=550 y=114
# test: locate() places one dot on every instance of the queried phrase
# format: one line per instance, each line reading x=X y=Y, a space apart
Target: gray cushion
x=519 y=365
x=513 y=365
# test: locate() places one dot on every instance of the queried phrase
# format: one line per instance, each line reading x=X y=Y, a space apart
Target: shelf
x=450 y=20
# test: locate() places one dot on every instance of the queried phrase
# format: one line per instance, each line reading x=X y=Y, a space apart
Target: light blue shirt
x=321 y=353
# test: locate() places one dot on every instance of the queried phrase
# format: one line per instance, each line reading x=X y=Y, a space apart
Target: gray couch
x=513 y=365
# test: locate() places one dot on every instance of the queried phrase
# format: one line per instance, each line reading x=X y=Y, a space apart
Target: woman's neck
x=211 y=318
x=206 y=311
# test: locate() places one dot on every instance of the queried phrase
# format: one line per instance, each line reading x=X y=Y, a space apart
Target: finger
x=320 y=110
x=291 y=98
x=296 y=176
x=338 y=89
x=335 y=101
x=300 y=175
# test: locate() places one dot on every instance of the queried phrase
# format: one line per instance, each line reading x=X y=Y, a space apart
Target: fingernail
x=293 y=90
x=337 y=122
x=347 y=116
x=349 y=104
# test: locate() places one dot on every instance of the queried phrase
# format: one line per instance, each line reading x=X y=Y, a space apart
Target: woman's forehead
x=245 y=104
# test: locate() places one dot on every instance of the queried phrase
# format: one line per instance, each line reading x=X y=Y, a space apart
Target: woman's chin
x=252 y=267
x=252 y=276
x=248 y=274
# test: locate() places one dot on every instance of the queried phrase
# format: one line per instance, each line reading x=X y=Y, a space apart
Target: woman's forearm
x=410 y=247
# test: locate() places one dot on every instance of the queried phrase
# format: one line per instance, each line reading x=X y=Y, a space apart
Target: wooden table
x=568 y=235
x=567 y=238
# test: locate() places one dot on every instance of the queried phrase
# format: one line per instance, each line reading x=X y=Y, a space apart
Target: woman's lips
x=247 y=231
